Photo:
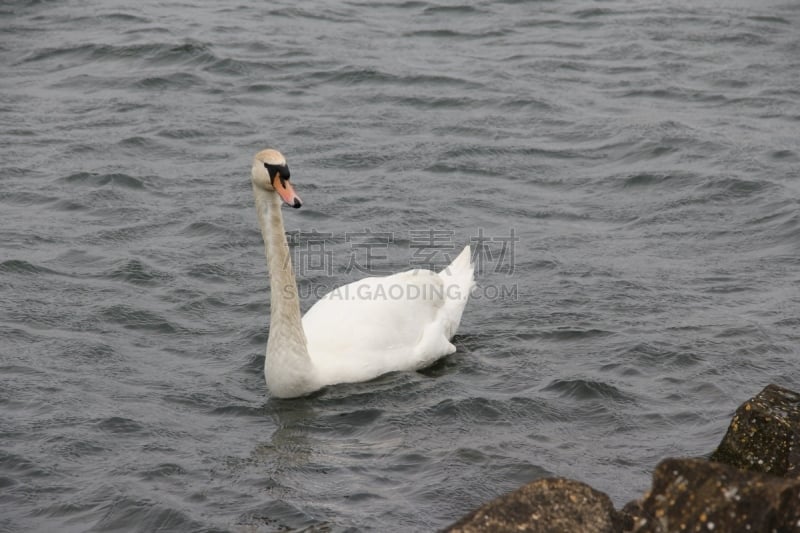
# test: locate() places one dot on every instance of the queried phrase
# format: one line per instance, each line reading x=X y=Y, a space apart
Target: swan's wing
x=458 y=280
x=378 y=325
x=383 y=324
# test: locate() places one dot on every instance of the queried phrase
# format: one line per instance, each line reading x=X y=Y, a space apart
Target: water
x=638 y=163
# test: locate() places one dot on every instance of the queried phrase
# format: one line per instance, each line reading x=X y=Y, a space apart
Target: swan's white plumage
x=358 y=331
x=382 y=324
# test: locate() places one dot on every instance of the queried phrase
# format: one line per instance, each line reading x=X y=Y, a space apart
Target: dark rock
x=552 y=505
x=764 y=435
x=751 y=484
x=698 y=495
x=631 y=512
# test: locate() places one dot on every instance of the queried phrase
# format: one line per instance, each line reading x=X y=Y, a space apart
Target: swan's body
x=358 y=331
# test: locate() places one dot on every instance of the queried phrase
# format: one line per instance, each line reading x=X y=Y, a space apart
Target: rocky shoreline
x=750 y=483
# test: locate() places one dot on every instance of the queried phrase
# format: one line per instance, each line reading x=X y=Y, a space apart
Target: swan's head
x=271 y=173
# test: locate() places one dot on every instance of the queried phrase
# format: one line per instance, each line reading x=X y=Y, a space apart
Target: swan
x=358 y=331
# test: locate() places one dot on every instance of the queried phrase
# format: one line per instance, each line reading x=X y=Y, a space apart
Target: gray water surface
x=630 y=171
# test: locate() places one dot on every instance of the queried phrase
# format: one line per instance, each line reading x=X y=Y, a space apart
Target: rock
x=751 y=484
x=552 y=505
x=764 y=435
x=698 y=495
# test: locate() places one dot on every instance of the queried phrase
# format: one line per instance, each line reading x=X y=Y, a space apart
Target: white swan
x=358 y=331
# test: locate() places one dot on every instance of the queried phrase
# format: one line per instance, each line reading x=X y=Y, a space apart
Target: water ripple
x=645 y=157
x=98 y=180
x=580 y=389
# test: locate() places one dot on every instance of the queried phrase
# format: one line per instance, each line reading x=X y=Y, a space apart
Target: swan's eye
x=272 y=170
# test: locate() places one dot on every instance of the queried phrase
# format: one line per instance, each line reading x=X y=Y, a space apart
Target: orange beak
x=286 y=191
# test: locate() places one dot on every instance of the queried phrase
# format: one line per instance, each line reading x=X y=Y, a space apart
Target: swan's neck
x=288 y=368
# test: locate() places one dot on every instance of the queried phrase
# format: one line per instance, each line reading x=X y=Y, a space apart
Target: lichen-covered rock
x=764 y=435
x=551 y=505
x=698 y=495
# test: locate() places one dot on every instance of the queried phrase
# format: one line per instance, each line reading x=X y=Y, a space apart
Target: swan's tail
x=458 y=282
